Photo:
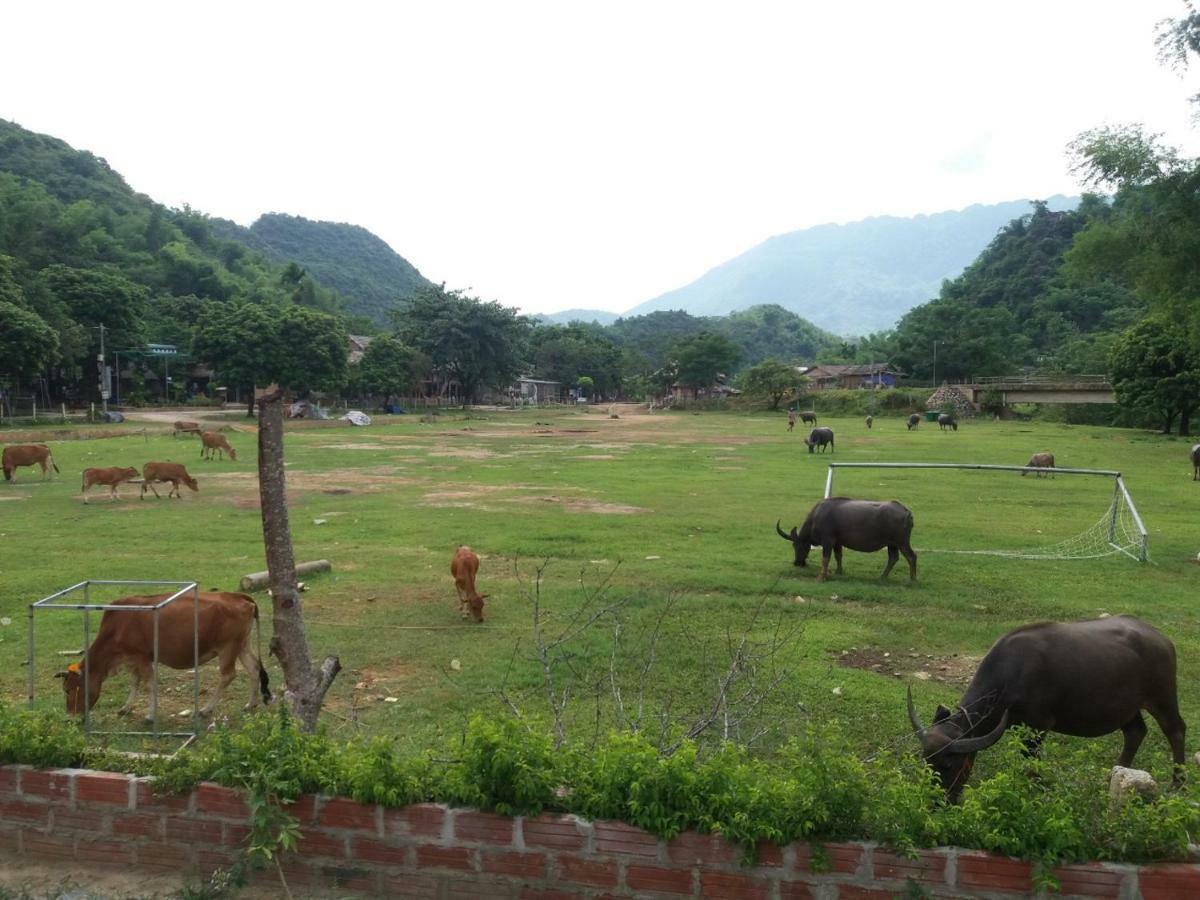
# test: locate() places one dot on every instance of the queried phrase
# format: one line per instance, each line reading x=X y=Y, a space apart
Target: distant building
x=536 y=390
x=830 y=377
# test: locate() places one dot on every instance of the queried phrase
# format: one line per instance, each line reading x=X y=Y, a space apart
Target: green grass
x=685 y=504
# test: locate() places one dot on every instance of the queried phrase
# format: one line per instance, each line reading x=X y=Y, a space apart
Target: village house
x=831 y=377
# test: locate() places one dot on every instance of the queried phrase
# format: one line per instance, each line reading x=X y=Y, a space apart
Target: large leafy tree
x=970 y=341
x=1155 y=370
x=566 y=353
x=27 y=343
x=94 y=297
x=699 y=359
x=479 y=344
x=389 y=367
x=771 y=380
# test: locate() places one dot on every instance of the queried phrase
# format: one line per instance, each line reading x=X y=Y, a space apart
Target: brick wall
x=429 y=851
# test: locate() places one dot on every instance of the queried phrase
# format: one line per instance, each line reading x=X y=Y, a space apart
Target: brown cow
x=112 y=476
x=26 y=455
x=185 y=428
x=214 y=440
x=463 y=567
x=153 y=472
x=126 y=640
x=1040 y=461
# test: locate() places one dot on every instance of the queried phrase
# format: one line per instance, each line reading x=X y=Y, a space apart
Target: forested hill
x=361 y=267
x=850 y=279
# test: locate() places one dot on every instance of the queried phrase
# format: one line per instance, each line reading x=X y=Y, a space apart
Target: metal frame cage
x=1120 y=492
x=60 y=601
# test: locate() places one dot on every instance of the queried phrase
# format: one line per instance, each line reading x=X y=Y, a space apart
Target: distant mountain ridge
x=359 y=265
x=599 y=316
x=850 y=279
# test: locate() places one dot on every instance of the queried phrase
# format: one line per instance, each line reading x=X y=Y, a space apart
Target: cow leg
x=136 y=676
x=824 y=573
x=893 y=556
x=837 y=555
x=911 y=556
x=1172 y=725
x=228 y=673
x=113 y=493
x=1135 y=732
x=250 y=664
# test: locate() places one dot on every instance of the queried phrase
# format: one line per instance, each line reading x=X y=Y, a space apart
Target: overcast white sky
x=559 y=154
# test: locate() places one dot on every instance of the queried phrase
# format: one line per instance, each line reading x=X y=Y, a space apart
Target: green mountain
x=849 y=279
x=567 y=316
x=361 y=267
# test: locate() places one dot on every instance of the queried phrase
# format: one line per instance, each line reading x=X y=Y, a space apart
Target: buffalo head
x=945 y=748
x=800 y=545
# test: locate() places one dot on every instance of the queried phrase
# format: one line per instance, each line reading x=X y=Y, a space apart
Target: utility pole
x=935 y=343
x=103 y=373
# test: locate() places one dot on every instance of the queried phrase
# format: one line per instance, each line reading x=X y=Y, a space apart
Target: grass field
x=671 y=511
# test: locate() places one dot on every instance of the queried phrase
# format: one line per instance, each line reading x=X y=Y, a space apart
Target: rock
x=837 y=691
x=1197 y=758
x=1125 y=783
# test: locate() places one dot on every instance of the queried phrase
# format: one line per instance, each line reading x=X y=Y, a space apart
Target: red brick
x=616 y=837
x=303 y=809
x=8 y=779
x=1169 y=882
x=337 y=812
x=594 y=872
x=316 y=843
x=49 y=784
x=193 y=830
x=208 y=859
x=797 y=890
x=89 y=821
x=412 y=887
x=102 y=787
x=378 y=852
x=354 y=878
x=51 y=845
x=138 y=825
x=655 y=878
x=164 y=857
x=981 y=870
x=842 y=859
x=477 y=889
x=928 y=867
x=145 y=798
x=297 y=871
x=10 y=838
x=854 y=892
x=1091 y=880
x=693 y=849
x=483 y=828
x=519 y=865
x=769 y=855
x=104 y=853
x=553 y=832
x=234 y=835
x=419 y=820
x=221 y=801
x=33 y=814
x=732 y=886
x=444 y=857
x=536 y=893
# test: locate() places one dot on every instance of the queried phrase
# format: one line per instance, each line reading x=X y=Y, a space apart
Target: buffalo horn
x=972 y=745
x=783 y=534
x=912 y=712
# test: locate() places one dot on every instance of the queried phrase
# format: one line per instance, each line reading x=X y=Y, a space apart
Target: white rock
x=653 y=557
x=837 y=691
x=456 y=665
x=1124 y=783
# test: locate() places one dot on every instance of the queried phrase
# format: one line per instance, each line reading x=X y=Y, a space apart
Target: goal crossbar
x=1140 y=537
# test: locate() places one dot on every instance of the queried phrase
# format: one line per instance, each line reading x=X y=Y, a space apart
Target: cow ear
x=60 y=674
x=940 y=713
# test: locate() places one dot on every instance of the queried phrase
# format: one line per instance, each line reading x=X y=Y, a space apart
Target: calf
x=26 y=455
x=819 y=437
x=870 y=422
x=214 y=440
x=463 y=567
x=946 y=420
x=112 y=476
x=808 y=418
x=1040 y=461
x=126 y=640
x=185 y=428
x=154 y=472
x=913 y=421
x=1196 y=462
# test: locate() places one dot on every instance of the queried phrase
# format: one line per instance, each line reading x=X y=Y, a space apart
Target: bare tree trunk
x=306 y=686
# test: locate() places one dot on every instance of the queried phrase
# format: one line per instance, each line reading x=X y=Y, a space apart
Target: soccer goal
x=1118 y=530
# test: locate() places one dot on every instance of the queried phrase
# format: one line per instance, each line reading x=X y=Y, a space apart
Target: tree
x=389 y=367
x=702 y=357
x=565 y=353
x=586 y=385
x=479 y=344
x=93 y=297
x=27 y=343
x=772 y=380
x=971 y=341
x=1155 y=367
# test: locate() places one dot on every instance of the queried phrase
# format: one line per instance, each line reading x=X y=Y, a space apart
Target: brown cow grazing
x=214 y=440
x=126 y=640
x=153 y=472
x=1040 y=461
x=463 y=567
x=185 y=428
x=26 y=455
x=112 y=476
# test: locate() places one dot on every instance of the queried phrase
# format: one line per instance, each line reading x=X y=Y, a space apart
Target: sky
x=588 y=155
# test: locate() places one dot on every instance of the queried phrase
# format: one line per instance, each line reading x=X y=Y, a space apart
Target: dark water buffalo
x=870 y=422
x=1196 y=462
x=946 y=420
x=863 y=525
x=913 y=421
x=1080 y=678
x=819 y=437
x=808 y=418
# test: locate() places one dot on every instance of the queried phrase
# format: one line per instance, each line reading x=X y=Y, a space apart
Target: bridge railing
x=1041 y=379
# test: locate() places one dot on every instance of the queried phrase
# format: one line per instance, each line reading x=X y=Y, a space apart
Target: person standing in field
x=791 y=419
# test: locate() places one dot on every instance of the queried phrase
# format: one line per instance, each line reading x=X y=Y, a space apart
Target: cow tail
x=264 y=683
x=53 y=463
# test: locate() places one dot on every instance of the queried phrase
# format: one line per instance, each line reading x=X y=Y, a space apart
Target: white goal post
x=1119 y=530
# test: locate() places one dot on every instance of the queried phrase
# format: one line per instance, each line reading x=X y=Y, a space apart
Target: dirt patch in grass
x=595 y=456
x=464 y=453
x=353 y=447
x=595 y=507
x=14 y=496
x=956 y=669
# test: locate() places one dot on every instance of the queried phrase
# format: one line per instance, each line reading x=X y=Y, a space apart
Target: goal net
x=1118 y=530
